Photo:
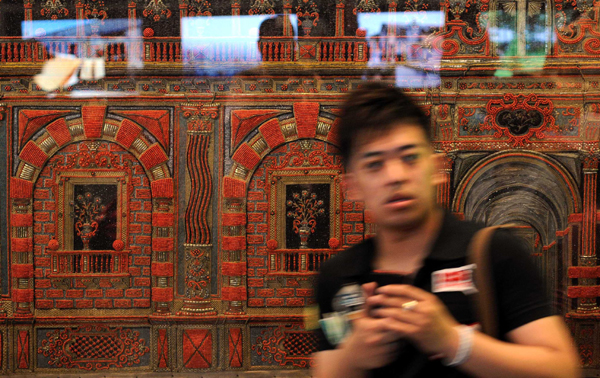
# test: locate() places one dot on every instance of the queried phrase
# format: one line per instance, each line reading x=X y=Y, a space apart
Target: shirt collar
x=449 y=245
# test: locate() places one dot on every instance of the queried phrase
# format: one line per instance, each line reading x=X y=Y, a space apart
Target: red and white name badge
x=454 y=279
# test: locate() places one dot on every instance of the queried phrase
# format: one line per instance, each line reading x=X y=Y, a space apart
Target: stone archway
x=528 y=189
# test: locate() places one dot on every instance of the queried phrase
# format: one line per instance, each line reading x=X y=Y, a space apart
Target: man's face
x=395 y=174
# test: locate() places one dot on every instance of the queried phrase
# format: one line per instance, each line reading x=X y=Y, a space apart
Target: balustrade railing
x=191 y=50
x=298 y=261
x=89 y=262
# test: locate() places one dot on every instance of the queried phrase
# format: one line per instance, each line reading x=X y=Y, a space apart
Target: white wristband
x=465 y=346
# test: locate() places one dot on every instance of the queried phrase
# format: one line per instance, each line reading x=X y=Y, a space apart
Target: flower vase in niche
x=89 y=210
x=303 y=208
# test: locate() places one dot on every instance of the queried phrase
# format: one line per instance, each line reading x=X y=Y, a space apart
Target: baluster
x=151 y=51
x=253 y=52
x=164 y=51
x=276 y=58
x=177 y=52
x=9 y=48
x=336 y=51
x=3 y=51
x=331 y=51
x=118 y=57
x=264 y=51
x=270 y=51
x=171 y=57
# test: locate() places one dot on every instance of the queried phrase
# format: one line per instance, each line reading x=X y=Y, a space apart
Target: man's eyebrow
x=370 y=154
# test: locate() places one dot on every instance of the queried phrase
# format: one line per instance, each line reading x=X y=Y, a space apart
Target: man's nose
x=395 y=172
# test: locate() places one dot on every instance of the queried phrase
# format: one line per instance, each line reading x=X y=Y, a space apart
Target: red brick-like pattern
x=128 y=132
x=162 y=188
x=153 y=156
x=140 y=238
x=306 y=114
x=59 y=131
x=272 y=133
x=32 y=154
x=93 y=120
x=20 y=188
x=246 y=156
x=233 y=188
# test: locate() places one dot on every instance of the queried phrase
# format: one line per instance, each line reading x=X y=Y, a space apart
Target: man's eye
x=411 y=158
x=372 y=165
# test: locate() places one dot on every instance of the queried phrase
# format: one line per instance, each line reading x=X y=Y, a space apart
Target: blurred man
x=420 y=320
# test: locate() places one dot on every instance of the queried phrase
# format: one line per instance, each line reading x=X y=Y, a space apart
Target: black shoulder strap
x=485 y=298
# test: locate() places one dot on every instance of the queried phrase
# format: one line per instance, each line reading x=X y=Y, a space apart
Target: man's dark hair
x=372 y=109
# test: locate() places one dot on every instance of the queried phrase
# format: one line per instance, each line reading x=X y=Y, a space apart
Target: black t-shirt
x=520 y=297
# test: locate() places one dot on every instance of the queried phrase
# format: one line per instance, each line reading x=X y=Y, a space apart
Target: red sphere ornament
x=334 y=243
x=53 y=244
x=118 y=245
x=272 y=244
x=148 y=33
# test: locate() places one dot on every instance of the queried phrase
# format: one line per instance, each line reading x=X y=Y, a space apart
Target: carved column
x=183 y=8
x=131 y=17
x=235 y=7
x=340 y=21
x=444 y=189
x=21 y=264
x=587 y=257
x=201 y=121
x=288 y=31
x=28 y=24
x=80 y=26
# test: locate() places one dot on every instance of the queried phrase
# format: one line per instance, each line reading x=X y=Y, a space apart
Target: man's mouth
x=399 y=198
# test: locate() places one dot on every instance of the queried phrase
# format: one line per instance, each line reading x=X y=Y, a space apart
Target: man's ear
x=440 y=162
x=350 y=187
